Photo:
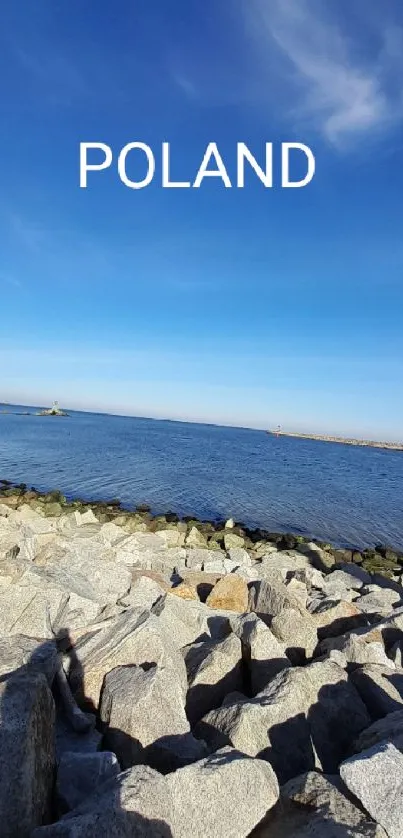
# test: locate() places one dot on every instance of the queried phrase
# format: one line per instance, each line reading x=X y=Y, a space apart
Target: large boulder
x=134 y=637
x=389 y=728
x=315 y=805
x=225 y=794
x=214 y=668
x=80 y=774
x=306 y=716
x=27 y=753
x=188 y=621
x=21 y=653
x=230 y=593
x=262 y=654
x=144 y=719
x=135 y=804
x=297 y=631
x=269 y=598
x=355 y=650
x=375 y=777
x=380 y=687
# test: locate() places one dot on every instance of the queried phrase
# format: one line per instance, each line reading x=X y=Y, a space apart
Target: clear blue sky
x=242 y=306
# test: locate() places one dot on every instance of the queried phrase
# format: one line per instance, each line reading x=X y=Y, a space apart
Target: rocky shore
x=174 y=678
x=363 y=443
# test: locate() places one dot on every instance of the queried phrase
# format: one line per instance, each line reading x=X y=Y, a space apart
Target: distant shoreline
x=364 y=443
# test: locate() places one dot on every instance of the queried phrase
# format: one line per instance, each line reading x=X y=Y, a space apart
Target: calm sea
x=343 y=494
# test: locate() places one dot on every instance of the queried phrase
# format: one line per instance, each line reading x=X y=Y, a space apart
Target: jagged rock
x=198 y=558
x=262 y=654
x=220 y=564
x=233 y=541
x=214 y=668
x=19 y=653
x=298 y=589
x=389 y=728
x=240 y=556
x=339 y=582
x=144 y=593
x=379 y=602
x=304 y=716
x=333 y=619
x=185 y=621
x=27 y=753
x=134 y=637
x=196 y=538
x=79 y=775
x=91 y=578
x=375 y=777
x=298 y=632
x=135 y=804
x=225 y=794
x=380 y=687
x=26 y=610
x=355 y=571
x=284 y=563
x=269 y=598
x=320 y=559
x=144 y=718
x=355 y=650
x=230 y=594
x=317 y=806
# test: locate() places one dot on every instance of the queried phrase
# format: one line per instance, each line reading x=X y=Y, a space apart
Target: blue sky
x=243 y=306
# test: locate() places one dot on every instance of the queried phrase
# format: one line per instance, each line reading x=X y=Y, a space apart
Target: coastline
x=363 y=443
x=381 y=559
x=215 y=637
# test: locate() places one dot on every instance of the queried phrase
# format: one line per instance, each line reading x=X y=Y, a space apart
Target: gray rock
x=298 y=589
x=263 y=655
x=355 y=650
x=134 y=637
x=26 y=653
x=389 y=729
x=317 y=806
x=26 y=610
x=379 y=602
x=187 y=621
x=214 y=668
x=375 y=777
x=305 y=716
x=80 y=775
x=196 y=539
x=26 y=753
x=226 y=794
x=355 y=571
x=240 y=556
x=135 y=804
x=144 y=593
x=298 y=632
x=380 y=687
x=269 y=598
x=233 y=541
x=198 y=558
x=144 y=718
x=340 y=580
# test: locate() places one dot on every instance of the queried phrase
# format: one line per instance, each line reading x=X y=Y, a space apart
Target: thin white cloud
x=343 y=79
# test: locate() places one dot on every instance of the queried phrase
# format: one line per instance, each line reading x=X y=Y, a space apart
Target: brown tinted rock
x=185 y=591
x=230 y=594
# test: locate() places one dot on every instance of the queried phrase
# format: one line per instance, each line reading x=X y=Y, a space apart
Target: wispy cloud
x=341 y=75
